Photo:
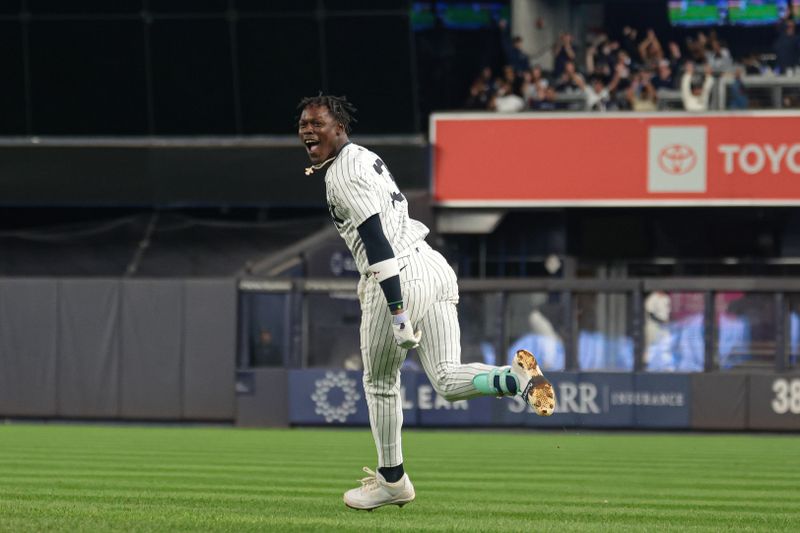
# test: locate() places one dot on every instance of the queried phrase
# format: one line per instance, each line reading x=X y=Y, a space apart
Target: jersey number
x=395 y=196
x=379 y=166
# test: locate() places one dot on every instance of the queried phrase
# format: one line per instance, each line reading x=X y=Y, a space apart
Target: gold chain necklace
x=310 y=170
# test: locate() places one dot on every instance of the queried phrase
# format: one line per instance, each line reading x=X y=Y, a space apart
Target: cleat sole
x=370 y=509
x=538 y=393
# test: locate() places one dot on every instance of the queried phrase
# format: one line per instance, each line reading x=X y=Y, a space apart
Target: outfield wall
x=133 y=349
x=589 y=400
x=145 y=349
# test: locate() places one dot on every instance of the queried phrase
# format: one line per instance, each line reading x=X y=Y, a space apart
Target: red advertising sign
x=487 y=160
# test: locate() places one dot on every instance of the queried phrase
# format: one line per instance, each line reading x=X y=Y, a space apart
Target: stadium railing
x=670 y=99
x=714 y=324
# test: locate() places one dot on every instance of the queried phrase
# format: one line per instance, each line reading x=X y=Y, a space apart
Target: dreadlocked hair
x=338 y=106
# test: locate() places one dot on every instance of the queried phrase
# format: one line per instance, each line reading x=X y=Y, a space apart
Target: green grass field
x=123 y=478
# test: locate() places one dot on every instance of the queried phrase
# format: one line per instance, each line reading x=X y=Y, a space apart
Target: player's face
x=320 y=133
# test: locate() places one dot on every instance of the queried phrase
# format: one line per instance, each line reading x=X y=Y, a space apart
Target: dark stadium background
x=224 y=68
x=153 y=141
x=148 y=67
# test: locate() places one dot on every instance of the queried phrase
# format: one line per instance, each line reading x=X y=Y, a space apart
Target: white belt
x=414 y=248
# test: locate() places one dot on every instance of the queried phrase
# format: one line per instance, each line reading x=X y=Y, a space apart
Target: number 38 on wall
x=787 y=396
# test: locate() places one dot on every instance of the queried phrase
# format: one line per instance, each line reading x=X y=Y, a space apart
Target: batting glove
x=404 y=333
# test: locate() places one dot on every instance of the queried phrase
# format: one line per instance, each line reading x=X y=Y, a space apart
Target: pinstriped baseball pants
x=430 y=294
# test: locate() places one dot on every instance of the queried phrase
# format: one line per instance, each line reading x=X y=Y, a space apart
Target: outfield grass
x=100 y=478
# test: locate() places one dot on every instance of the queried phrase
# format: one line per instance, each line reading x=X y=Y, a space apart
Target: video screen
x=756 y=12
x=459 y=16
x=697 y=12
x=795 y=4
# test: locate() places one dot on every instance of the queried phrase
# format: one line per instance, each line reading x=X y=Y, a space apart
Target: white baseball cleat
x=376 y=492
x=536 y=390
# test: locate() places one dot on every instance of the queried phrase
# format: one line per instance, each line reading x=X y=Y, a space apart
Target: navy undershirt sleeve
x=378 y=249
x=375 y=242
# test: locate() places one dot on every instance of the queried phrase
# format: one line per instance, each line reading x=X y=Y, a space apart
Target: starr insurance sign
x=615 y=159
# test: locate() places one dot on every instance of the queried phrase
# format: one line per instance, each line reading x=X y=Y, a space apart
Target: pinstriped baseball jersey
x=358 y=185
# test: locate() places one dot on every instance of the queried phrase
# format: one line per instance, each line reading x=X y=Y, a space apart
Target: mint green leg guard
x=485 y=383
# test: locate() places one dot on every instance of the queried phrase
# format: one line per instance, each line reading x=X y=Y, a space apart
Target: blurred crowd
x=629 y=73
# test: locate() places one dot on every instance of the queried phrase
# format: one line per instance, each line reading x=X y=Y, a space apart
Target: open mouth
x=312 y=145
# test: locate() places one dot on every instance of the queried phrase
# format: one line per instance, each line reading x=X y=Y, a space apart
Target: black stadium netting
x=153 y=244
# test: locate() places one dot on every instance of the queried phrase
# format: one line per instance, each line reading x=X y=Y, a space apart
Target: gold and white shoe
x=376 y=492
x=536 y=390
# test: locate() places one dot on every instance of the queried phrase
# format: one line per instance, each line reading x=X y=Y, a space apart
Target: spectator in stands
x=663 y=78
x=623 y=68
x=641 y=95
x=479 y=95
x=563 y=53
x=506 y=101
x=738 y=96
x=695 y=93
x=486 y=77
x=601 y=56
x=734 y=335
x=611 y=72
x=718 y=56
x=538 y=78
x=528 y=89
x=787 y=46
x=650 y=50
x=534 y=86
x=515 y=56
x=658 y=339
x=570 y=80
x=481 y=90
x=548 y=101
x=697 y=47
x=593 y=54
x=509 y=74
x=598 y=95
x=629 y=43
x=752 y=65
x=520 y=59
x=675 y=56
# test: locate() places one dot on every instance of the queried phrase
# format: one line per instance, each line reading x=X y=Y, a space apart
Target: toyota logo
x=677 y=159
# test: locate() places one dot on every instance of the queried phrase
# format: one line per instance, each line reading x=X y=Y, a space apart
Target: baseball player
x=408 y=296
